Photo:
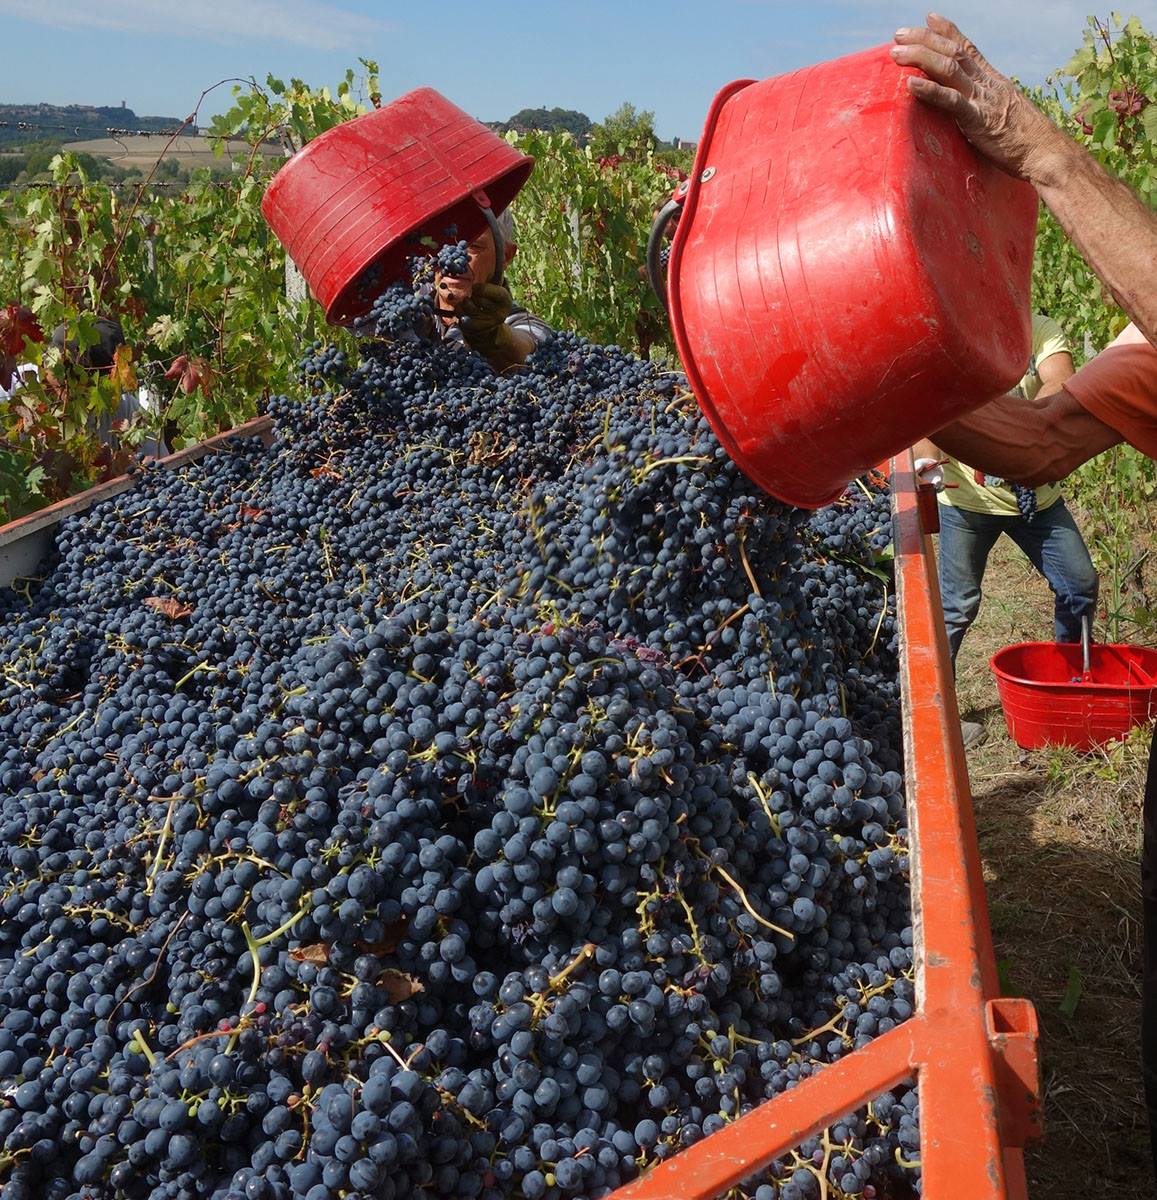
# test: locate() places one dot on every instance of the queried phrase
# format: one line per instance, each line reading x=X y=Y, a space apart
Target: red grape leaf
x=16 y=324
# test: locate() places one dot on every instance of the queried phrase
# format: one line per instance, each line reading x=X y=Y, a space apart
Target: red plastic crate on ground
x=1046 y=702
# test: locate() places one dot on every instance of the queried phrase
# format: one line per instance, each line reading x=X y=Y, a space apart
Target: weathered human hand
x=484 y=317
x=996 y=117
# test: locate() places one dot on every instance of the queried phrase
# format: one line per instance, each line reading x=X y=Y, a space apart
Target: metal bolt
x=707 y=174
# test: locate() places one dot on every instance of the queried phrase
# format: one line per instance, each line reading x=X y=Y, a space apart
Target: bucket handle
x=483 y=202
x=655 y=249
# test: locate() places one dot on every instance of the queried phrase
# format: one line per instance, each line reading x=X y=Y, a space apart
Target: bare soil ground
x=1060 y=838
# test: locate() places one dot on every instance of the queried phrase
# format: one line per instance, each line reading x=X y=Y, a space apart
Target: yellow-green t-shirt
x=998 y=499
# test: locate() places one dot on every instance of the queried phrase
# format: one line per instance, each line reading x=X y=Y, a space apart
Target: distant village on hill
x=23 y=123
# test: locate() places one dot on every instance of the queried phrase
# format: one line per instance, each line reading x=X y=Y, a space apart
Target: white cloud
x=1028 y=40
x=299 y=22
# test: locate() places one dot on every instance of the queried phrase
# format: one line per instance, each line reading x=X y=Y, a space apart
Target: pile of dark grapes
x=485 y=792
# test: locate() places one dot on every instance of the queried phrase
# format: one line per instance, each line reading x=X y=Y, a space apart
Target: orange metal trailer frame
x=972 y=1053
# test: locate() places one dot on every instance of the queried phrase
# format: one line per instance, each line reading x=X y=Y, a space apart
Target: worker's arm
x=522 y=344
x=482 y=309
x=1029 y=441
x=1115 y=233
x=1053 y=371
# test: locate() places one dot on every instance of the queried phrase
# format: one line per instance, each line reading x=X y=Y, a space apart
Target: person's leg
x=1055 y=547
x=1149 y=950
x=966 y=538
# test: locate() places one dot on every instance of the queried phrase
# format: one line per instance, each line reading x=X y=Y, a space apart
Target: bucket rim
x=1003 y=675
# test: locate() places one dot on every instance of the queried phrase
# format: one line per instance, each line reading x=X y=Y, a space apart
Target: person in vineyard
x=17 y=324
x=1113 y=397
x=977 y=509
x=99 y=359
x=481 y=314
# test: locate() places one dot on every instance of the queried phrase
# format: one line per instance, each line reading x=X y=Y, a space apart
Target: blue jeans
x=1053 y=545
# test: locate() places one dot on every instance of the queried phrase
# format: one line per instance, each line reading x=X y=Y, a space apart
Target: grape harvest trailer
x=972 y=1053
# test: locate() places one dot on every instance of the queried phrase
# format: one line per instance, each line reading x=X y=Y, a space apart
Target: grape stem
x=677 y=458
x=747 y=905
x=161 y=845
x=271 y=937
x=747 y=567
x=772 y=818
x=201 y=666
x=255 y=954
x=556 y=981
x=143 y=1046
x=880 y=622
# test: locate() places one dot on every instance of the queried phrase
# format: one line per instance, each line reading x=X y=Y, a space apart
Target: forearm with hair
x=1028 y=441
x=1115 y=233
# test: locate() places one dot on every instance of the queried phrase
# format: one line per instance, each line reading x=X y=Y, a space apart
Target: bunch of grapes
x=454 y=258
x=486 y=791
x=1025 y=500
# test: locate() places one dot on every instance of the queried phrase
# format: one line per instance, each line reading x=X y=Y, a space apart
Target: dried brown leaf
x=389 y=941
x=166 y=605
x=318 y=954
x=399 y=986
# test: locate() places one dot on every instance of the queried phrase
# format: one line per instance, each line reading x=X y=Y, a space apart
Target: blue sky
x=491 y=59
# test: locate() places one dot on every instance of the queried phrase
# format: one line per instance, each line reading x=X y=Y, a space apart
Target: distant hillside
x=24 y=124
x=548 y=119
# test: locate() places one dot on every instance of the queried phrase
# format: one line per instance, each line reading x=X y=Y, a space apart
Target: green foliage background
x=196 y=272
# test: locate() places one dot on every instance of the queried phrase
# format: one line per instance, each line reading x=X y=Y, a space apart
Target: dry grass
x=142 y=152
x=1060 y=839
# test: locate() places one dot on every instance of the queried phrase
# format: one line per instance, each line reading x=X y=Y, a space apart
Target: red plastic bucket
x=351 y=206
x=848 y=274
x=1046 y=703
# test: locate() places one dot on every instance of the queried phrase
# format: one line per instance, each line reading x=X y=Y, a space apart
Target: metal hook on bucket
x=1087 y=675
x=499 y=240
x=655 y=250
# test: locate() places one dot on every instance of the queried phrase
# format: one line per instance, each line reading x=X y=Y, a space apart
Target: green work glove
x=483 y=321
